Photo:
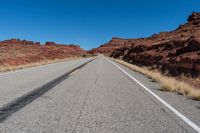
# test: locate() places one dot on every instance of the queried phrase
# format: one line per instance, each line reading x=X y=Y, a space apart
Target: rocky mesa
x=16 y=52
x=174 y=52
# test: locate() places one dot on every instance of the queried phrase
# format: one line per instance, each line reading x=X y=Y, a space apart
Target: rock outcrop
x=175 y=52
x=21 y=52
x=50 y=43
x=109 y=47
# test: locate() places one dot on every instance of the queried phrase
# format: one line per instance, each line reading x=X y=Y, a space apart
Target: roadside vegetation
x=167 y=83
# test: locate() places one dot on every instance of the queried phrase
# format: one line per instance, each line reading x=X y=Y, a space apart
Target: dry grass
x=167 y=83
x=5 y=67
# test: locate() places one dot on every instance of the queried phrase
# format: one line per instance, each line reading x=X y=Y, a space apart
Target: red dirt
x=16 y=52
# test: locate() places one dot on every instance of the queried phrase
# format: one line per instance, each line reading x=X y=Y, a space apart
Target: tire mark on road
x=14 y=106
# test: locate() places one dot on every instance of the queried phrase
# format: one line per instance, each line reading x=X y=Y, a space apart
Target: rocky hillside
x=21 y=52
x=176 y=52
x=109 y=47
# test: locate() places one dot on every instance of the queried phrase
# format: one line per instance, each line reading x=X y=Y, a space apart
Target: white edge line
x=176 y=112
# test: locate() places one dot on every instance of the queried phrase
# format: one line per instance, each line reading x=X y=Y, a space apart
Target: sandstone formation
x=109 y=47
x=21 y=52
x=50 y=43
x=175 y=52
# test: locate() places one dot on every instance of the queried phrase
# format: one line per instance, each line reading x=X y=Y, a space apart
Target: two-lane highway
x=99 y=98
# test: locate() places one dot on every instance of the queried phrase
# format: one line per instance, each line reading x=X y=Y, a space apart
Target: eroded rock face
x=17 y=41
x=20 y=52
x=177 y=51
x=109 y=47
x=175 y=56
x=50 y=43
x=194 y=17
x=37 y=43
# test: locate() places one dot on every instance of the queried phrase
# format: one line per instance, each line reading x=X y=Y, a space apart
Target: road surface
x=100 y=98
x=16 y=84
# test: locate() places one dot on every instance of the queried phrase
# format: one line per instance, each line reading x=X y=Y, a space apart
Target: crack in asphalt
x=81 y=112
x=84 y=104
x=17 y=104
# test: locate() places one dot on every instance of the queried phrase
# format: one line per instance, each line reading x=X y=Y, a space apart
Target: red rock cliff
x=177 y=51
x=20 y=52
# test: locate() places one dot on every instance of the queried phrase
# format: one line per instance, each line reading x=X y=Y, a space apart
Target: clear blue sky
x=90 y=23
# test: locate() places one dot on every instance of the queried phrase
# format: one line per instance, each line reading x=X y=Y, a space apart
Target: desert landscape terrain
x=18 y=54
x=149 y=84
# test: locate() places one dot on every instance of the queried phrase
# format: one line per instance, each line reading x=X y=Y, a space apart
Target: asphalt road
x=16 y=84
x=100 y=98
